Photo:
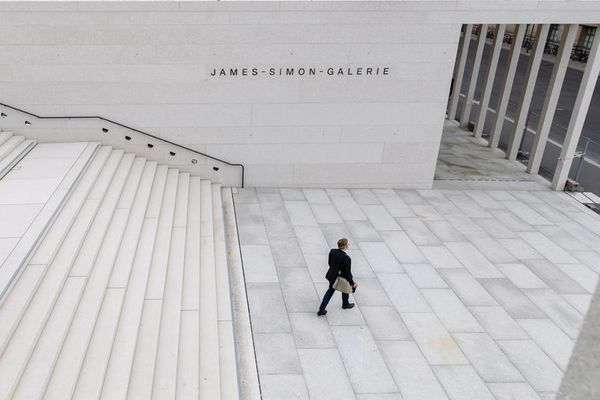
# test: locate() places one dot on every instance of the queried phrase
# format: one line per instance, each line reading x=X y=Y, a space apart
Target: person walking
x=339 y=266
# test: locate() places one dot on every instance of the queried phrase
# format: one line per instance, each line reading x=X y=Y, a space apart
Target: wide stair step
x=127 y=294
x=31 y=196
x=12 y=150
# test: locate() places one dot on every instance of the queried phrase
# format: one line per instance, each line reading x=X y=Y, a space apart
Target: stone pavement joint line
x=463 y=291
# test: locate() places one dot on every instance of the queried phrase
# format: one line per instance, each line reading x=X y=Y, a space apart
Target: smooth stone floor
x=465 y=158
x=475 y=289
x=466 y=293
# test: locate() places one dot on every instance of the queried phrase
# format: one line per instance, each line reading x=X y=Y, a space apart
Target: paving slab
x=474 y=260
x=326 y=214
x=451 y=311
x=512 y=298
x=403 y=293
x=385 y=323
x=311 y=331
x=403 y=248
x=557 y=345
x=298 y=290
x=380 y=218
x=392 y=202
x=321 y=367
x=539 y=370
x=418 y=231
x=371 y=293
x=367 y=371
x=467 y=288
x=424 y=276
x=513 y=391
x=363 y=231
x=440 y=257
x=554 y=277
x=522 y=276
x=462 y=383
x=380 y=258
x=258 y=264
x=411 y=371
x=276 y=353
x=433 y=339
x=281 y=386
x=557 y=309
x=487 y=358
x=498 y=323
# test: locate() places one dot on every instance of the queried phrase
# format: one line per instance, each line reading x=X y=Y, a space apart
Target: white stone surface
x=521 y=276
x=441 y=257
x=451 y=311
x=259 y=264
x=411 y=371
x=321 y=367
x=462 y=383
x=487 y=358
x=503 y=336
x=467 y=288
x=433 y=339
x=473 y=260
x=513 y=391
x=403 y=248
x=403 y=293
x=551 y=339
x=424 y=276
x=385 y=323
x=536 y=367
x=497 y=323
x=557 y=309
x=366 y=368
x=380 y=257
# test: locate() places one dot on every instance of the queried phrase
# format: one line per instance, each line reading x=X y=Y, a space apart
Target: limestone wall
x=151 y=65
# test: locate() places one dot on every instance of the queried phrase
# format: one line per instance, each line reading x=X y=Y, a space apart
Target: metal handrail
x=241 y=166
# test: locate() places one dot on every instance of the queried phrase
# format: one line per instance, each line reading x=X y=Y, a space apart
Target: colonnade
x=579 y=113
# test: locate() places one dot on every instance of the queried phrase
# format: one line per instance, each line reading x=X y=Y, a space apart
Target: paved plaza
x=471 y=290
x=465 y=158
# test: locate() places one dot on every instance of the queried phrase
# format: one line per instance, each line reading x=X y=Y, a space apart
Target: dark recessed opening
x=127 y=137
x=150 y=145
x=3 y=115
x=194 y=161
x=172 y=153
x=27 y=123
x=104 y=130
x=215 y=168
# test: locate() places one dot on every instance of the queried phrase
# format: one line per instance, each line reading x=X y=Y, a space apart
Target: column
x=461 y=71
x=551 y=100
x=582 y=104
x=464 y=119
x=533 y=67
x=489 y=80
x=507 y=82
x=455 y=69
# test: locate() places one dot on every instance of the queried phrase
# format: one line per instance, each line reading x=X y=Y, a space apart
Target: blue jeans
x=328 y=294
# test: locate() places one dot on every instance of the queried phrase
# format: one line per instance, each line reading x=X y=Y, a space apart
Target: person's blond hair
x=342 y=243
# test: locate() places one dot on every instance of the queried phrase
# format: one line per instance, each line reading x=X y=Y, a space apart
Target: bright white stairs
x=12 y=150
x=126 y=295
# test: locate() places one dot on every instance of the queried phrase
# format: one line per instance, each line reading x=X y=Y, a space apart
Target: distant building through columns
x=466 y=113
x=550 y=102
x=489 y=80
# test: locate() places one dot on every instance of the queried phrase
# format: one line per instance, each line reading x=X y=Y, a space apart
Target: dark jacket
x=339 y=261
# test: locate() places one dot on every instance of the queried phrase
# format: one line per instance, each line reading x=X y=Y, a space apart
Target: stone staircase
x=12 y=149
x=126 y=295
